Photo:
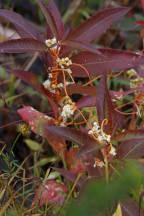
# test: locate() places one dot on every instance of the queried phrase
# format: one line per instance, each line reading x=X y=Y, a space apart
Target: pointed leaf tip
x=23 y=27
x=53 y=18
x=97 y=24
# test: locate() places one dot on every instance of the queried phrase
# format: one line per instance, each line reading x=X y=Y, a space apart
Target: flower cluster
x=67 y=111
x=51 y=87
x=51 y=42
x=64 y=62
x=100 y=135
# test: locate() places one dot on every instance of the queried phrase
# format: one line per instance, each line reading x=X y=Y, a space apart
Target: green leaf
x=44 y=161
x=34 y=146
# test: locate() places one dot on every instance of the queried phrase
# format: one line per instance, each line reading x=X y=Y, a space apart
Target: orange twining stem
x=79 y=65
x=59 y=69
x=75 y=123
x=124 y=113
x=104 y=122
x=92 y=80
x=71 y=100
x=116 y=75
x=54 y=77
x=55 y=53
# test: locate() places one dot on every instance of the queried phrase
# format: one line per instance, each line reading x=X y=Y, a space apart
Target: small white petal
x=113 y=151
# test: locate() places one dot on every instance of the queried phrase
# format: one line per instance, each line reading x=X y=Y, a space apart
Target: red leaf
x=119 y=95
x=53 y=19
x=75 y=165
x=130 y=135
x=97 y=24
x=37 y=122
x=111 y=60
x=79 y=89
x=73 y=135
x=52 y=193
x=25 y=29
x=31 y=79
x=141 y=23
x=22 y=45
x=86 y=101
x=105 y=108
x=80 y=45
x=132 y=144
x=87 y=149
x=142 y=1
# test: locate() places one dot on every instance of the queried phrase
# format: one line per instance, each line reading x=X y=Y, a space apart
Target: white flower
x=113 y=151
x=50 y=75
x=95 y=129
x=101 y=136
x=47 y=84
x=50 y=42
x=67 y=111
x=107 y=137
x=60 y=85
x=90 y=132
x=64 y=62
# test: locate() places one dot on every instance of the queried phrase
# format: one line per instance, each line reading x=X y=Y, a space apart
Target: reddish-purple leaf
x=130 y=135
x=81 y=45
x=131 y=144
x=111 y=60
x=86 y=101
x=101 y=98
x=24 y=28
x=37 y=122
x=86 y=142
x=87 y=149
x=74 y=165
x=89 y=162
x=132 y=149
x=53 y=19
x=119 y=95
x=31 y=79
x=73 y=135
x=105 y=108
x=79 y=89
x=97 y=24
x=70 y=176
x=22 y=45
x=52 y=192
